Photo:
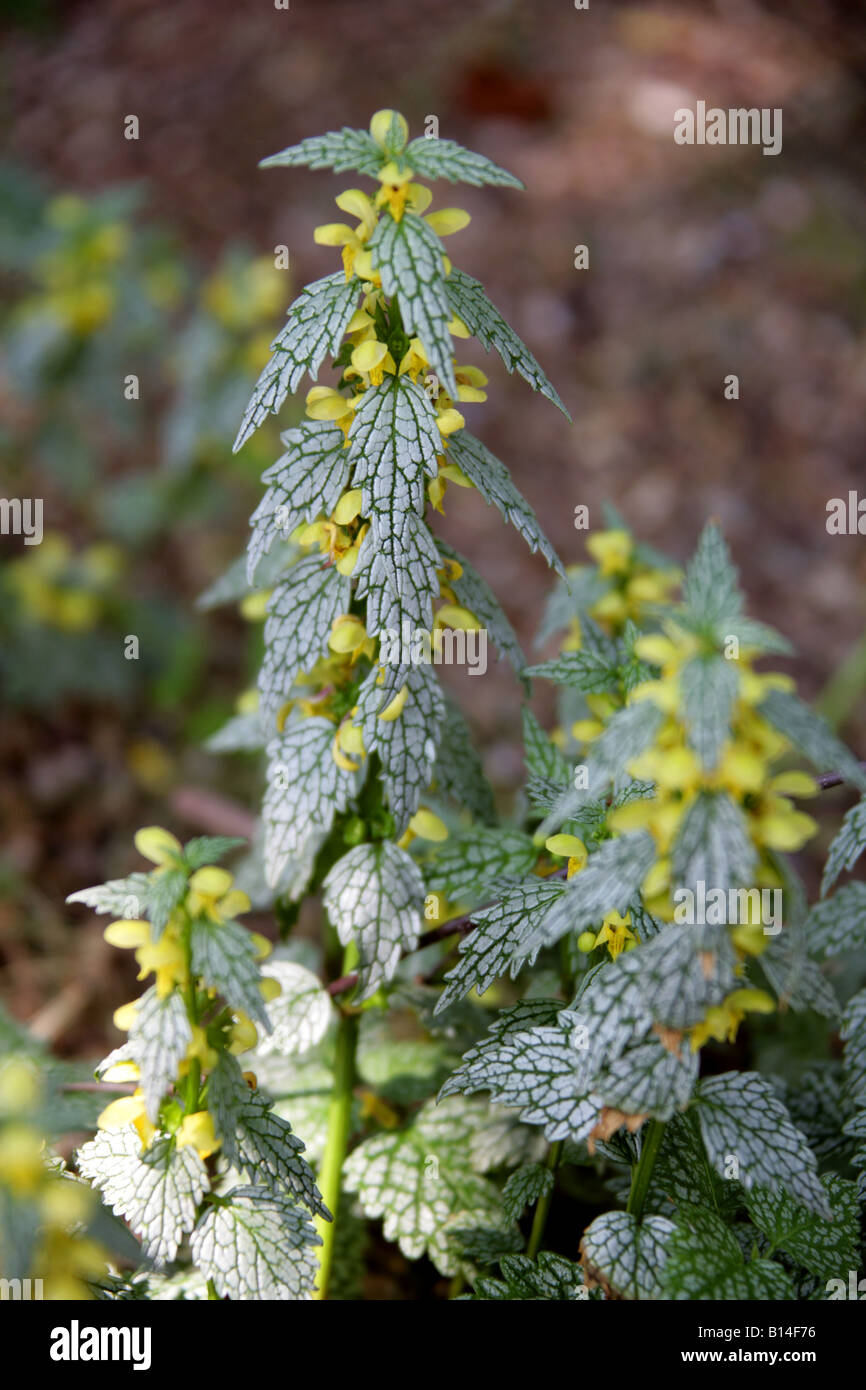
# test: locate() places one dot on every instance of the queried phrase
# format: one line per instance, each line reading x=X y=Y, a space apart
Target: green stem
x=642 y=1171
x=542 y=1206
x=339 y=1123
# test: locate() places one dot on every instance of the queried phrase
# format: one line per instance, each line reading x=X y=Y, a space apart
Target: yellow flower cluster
x=744 y=769
x=59 y=1207
x=633 y=584
x=60 y=589
x=210 y=897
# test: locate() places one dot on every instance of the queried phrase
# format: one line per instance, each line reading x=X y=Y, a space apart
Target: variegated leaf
x=373 y=896
x=300 y=613
x=493 y=481
x=305 y=790
x=306 y=481
x=409 y=257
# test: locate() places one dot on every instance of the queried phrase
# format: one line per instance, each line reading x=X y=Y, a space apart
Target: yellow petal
x=449 y=421
x=124 y=1017
x=428 y=826
x=448 y=220
x=387 y=123
x=395 y=709
x=369 y=355
x=566 y=846
x=158 y=845
x=269 y=988
x=348 y=507
x=123 y=1111
x=347 y=634
x=127 y=934
x=198 y=1130
x=333 y=234
x=211 y=881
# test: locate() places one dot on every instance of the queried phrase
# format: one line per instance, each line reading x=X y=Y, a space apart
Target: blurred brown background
x=704 y=261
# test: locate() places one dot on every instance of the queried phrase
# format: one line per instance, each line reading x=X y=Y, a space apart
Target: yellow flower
x=324 y=403
x=128 y=1110
x=611 y=550
x=21 y=1165
x=211 y=895
x=158 y=845
x=568 y=847
x=348 y=743
x=198 y=1129
x=723 y=1021
x=348 y=636
x=424 y=825
x=616 y=933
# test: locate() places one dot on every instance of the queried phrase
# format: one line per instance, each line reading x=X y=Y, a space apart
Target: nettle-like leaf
x=470 y=303
x=409 y=257
x=828 y=1249
x=683 y=973
x=420 y=1180
x=816 y=1105
x=795 y=976
x=535 y=1069
x=338 y=150
x=497 y=942
x=847 y=845
x=305 y=790
x=122 y=897
x=373 y=896
x=300 y=1015
x=158 y=1040
x=470 y=864
x=628 y=732
x=243 y=733
x=434 y=158
x=711 y=590
x=853 y=1034
x=705 y=1262
x=209 y=849
x=458 y=771
x=543 y=758
x=393 y=445
x=811 y=735
x=258 y=1143
x=748 y=1134
x=592 y=672
x=549 y=1278
x=493 y=481
x=476 y=595
x=304 y=483
x=407 y=745
x=626 y=1257
x=524 y=1188
x=608 y=883
x=713 y=845
x=300 y=613
x=316 y=323
x=255 y=1244
x=167 y=891
x=156 y=1190
x=709 y=688
x=223 y=954
x=681 y=1173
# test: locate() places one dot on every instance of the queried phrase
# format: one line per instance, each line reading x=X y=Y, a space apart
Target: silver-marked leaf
x=710 y=588
x=496 y=943
x=543 y=758
x=256 y=1245
x=626 y=1256
x=493 y=481
x=847 y=845
x=158 y=1040
x=592 y=672
x=537 y=1070
x=300 y=1015
x=167 y=891
x=853 y=1034
x=406 y=745
x=305 y=482
x=420 y=1180
x=524 y=1188
x=608 y=883
x=827 y=1249
x=122 y=897
x=305 y=790
x=373 y=896
x=705 y=1263
x=795 y=976
x=257 y=1142
x=709 y=688
x=626 y=735
x=300 y=613
x=476 y=595
x=243 y=733
x=156 y=1190
x=741 y=1117
x=338 y=150
x=713 y=846
x=316 y=323
x=409 y=257
x=683 y=973
x=224 y=955
x=469 y=864
x=549 y=1278
x=434 y=158
x=811 y=735
x=470 y=303
x=458 y=771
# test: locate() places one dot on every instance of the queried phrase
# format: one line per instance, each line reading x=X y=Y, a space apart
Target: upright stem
x=542 y=1206
x=642 y=1171
x=339 y=1122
